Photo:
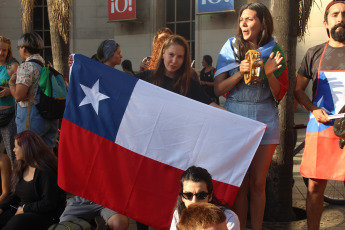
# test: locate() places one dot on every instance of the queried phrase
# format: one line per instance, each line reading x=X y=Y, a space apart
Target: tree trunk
x=60 y=48
x=27 y=16
x=280 y=177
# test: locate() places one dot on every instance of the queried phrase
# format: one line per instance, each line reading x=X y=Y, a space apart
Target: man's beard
x=338 y=36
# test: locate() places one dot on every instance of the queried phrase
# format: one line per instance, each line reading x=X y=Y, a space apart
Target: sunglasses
x=199 y=195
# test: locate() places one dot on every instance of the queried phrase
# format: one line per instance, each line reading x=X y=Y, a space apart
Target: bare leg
x=316 y=189
x=118 y=222
x=257 y=184
x=240 y=206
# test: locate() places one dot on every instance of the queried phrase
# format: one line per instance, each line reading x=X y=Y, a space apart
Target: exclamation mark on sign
x=112 y=6
x=129 y=5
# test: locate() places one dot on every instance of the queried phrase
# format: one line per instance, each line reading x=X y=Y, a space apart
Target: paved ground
x=333 y=217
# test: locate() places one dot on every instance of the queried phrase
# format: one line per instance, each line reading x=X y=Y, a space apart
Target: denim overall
x=255 y=102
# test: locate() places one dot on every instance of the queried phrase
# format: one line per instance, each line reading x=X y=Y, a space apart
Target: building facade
x=206 y=33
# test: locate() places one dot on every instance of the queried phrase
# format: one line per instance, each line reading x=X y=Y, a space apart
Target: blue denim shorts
x=46 y=129
x=264 y=112
x=255 y=102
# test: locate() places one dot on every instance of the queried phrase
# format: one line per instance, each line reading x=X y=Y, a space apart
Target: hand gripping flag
x=124 y=143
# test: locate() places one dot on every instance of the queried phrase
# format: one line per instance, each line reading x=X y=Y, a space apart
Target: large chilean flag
x=124 y=143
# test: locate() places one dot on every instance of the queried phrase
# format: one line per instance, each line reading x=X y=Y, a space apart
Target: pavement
x=333 y=217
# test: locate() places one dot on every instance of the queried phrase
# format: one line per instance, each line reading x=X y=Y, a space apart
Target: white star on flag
x=92 y=96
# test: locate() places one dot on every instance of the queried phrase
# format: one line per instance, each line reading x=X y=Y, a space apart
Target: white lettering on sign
x=204 y=2
x=115 y=6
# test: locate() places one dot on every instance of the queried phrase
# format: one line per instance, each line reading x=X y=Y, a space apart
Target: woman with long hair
x=173 y=71
x=8 y=66
x=196 y=186
x=255 y=101
x=36 y=201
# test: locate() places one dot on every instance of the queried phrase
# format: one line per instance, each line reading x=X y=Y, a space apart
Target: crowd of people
x=30 y=197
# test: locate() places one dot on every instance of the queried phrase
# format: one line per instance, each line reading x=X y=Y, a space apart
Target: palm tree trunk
x=27 y=18
x=280 y=177
x=59 y=33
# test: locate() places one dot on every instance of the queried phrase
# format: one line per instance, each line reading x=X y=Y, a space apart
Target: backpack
x=53 y=92
x=72 y=224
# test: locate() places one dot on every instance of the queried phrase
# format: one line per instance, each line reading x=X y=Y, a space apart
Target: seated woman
x=36 y=201
x=196 y=186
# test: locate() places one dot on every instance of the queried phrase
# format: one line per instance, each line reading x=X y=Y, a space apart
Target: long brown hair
x=183 y=75
x=266 y=20
x=36 y=154
x=9 y=52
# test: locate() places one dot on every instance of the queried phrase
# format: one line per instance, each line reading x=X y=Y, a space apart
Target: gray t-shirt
x=333 y=59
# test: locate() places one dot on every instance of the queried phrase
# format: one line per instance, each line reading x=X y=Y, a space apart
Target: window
x=180 y=18
x=41 y=26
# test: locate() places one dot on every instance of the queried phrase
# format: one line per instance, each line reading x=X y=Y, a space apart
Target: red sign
x=121 y=10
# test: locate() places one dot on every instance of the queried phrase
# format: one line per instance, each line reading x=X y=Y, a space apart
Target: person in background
x=127 y=67
x=255 y=101
x=109 y=53
x=324 y=65
x=8 y=66
x=24 y=85
x=159 y=38
x=206 y=77
x=36 y=201
x=197 y=187
x=202 y=216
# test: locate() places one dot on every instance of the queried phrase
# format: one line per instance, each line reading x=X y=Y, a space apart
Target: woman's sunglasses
x=199 y=195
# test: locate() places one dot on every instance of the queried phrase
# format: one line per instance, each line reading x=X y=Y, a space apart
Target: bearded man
x=324 y=64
